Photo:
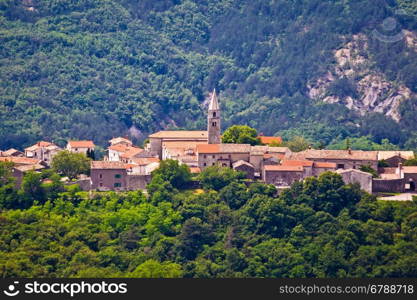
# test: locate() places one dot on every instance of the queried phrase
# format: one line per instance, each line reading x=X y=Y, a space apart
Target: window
x=204 y=164
x=212 y=164
x=117 y=184
x=214 y=156
x=205 y=156
x=214 y=124
x=101 y=184
x=340 y=166
x=101 y=176
x=214 y=114
x=224 y=165
x=221 y=157
x=117 y=176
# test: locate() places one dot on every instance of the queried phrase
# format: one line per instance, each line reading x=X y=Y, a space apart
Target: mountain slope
x=95 y=69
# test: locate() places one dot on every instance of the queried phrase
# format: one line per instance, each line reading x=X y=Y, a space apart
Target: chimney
x=349 y=150
x=310 y=147
x=399 y=170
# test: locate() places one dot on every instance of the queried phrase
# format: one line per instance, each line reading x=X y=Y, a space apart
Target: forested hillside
x=93 y=69
x=317 y=228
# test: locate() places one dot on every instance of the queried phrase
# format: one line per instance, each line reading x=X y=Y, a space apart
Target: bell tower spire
x=213 y=120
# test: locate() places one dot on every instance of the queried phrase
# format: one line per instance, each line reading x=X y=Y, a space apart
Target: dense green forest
x=93 y=69
x=317 y=228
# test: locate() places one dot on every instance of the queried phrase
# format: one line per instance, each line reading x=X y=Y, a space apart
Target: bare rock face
x=374 y=92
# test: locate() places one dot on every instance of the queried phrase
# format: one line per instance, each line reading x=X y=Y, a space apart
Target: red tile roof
x=297 y=163
x=410 y=169
x=41 y=144
x=208 y=148
x=117 y=165
x=131 y=152
x=144 y=161
x=224 y=148
x=279 y=168
x=195 y=170
x=270 y=139
x=327 y=165
x=81 y=144
x=20 y=160
x=117 y=140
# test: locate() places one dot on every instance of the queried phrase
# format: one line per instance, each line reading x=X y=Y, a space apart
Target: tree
x=240 y=134
x=369 y=169
x=8 y=194
x=171 y=171
x=31 y=188
x=154 y=269
x=194 y=234
x=297 y=144
x=216 y=177
x=411 y=161
x=71 y=164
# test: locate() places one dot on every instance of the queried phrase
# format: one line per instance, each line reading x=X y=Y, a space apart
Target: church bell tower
x=213 y=120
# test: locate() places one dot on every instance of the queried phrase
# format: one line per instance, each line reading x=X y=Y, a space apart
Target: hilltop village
x=128 y=167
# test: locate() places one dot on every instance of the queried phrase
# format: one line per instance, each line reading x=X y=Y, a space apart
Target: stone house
x=282 y=176
x=393 y=158
x=80 y=146
x=223 y=155
x=246 y=168
x=121 y=141
x=351 y=176
x=344 y=159
x=108 y=175
x=156 y=140
x=11 y=152
x=44 y=151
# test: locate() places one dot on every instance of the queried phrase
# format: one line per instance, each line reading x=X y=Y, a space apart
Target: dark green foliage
x=369 y=169
x=95 y=69
x=71 y=164
x=240 y=134
x=170 y=171
x=317 y=228
x=216 y=177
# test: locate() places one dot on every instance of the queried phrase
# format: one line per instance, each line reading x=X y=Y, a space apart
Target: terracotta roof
x=242 y=163
x=117 y=165
x=336 y=154
x=224 y=148
x=119 y=147
x=278 y=149
x=208 y=148
x=131 y=152
x=180 y=134
x=20 y=160
x=279 y=168
x=81 y=144
x=295 y=163
x=25 y=168
x=270 y=139
x=410 y=170
x=195 y=170
x=329 y=165
x=117 y=140
x=388 y=154
x=279 y=156
x=10 y=152
x=144 y=161
x=41 y=144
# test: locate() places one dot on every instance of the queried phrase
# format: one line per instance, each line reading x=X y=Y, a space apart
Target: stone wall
x=387 y=185
x=137 y=182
